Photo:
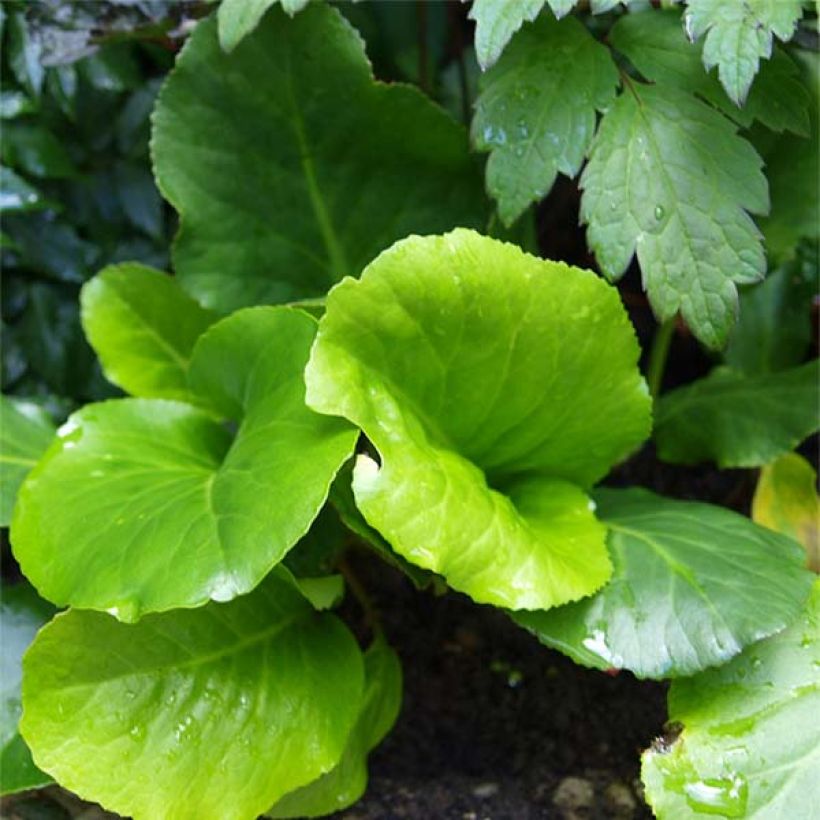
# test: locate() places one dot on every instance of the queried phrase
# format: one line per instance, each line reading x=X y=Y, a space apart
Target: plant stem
x=658 y=355
x=371 y=614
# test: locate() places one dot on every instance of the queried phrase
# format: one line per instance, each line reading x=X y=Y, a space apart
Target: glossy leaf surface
x=786 y=500
x=536 y=111
x=738 y=421
x=750 y=745
x=487 y=380
x=143 y=327
x=692 y=585
x=739 y=33
x=146 y=504
x=266 y=210
x=345 y=784
x=22 y=613
x=670 y=180
x=25 y=433
x=164 y=718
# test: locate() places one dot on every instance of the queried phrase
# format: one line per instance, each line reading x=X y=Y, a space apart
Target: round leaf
x=495 y=387
x=750 y=745
x=693 y=584
x=316 y=168
x=193 y=715
x=144 y=505
x=144 y=328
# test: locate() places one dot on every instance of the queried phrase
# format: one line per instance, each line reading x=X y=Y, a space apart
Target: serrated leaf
x=266 y=210
x=184 y=708
x=25 y=433
x=134 y=486
x=670 y=180
x=655 y=43
x=692 y=585
x=773 y=331
x=487 y=380
x=238 y=18
x=143 y=327
x=739 y=34
x=736 y=420
x=786 y=501
x=345 y=784
x=536 y=111
x=750 y=745
x=22 y=613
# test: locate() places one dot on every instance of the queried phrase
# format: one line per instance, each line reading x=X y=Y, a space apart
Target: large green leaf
x=238 y=18
x=22 y=613
x=146 y=504
x=143 y=327
x=536 y=111
x=750 y=745
x=655 y=43
x=693 y=584
x=210 y=713
x=25 y=433
x=345 y=784
x=489 y=381
x=317 y=167
x=773 y=331
x=670 y=179
x=738 y=421
x=739 y=33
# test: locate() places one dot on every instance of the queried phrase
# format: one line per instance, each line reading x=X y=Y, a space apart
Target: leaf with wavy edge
x=488 y=381
x=135 y=488
x=670 y=179
x=143 y=327
x=317 y=167
x=207 y=714
x=750 y=745
x=692 y=585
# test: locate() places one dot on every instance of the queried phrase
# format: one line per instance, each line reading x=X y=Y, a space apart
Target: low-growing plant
x=341 y=349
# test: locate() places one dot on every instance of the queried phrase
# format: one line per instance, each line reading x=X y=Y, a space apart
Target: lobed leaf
x=266 y=210
x=536 y=110
x=738 y=421
x=164 y=718
x=786 y=501
x=487 y=380
x=669 y=179
x=692 y=585
x=143 y=327
x=739 y=33
x=22 y=613
x=25 y=433
x=133 y=487
x=750 y=745
x=238 y=18
x=655 y=43
x=345 y=784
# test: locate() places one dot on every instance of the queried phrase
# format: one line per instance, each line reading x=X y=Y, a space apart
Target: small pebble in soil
x=619 y=802
x=485 y=790
x=575 y=797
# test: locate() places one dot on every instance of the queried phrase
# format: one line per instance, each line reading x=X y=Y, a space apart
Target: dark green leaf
x=693 y=584
x=16 y=195
x=34 y=150
x=738 y=421
x=238 y=18
x=266 y=210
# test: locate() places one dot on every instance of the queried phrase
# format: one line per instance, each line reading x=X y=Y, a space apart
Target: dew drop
x=725 y=796
x=659 y=212
x=137 y=732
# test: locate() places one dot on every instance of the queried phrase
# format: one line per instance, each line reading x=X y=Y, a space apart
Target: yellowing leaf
x=786 y=500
